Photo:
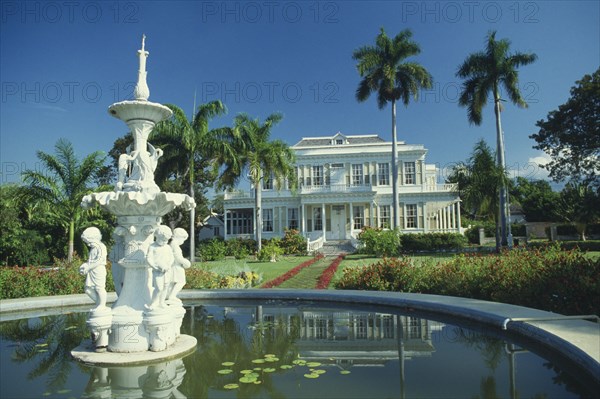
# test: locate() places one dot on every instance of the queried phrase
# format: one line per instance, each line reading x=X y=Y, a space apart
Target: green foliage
x=197 y=278
x=472 y=233
x=271 y=251
x=293 y=243
x=518 y=230
x=432 y=241
x=32 y=281
x=565 y=282
x=379 y=242
x=566 y=230
x=589 y=245
x=538 y=201
x=571 y=134
x=213 y=249
x=240 y=248
x=580 y=205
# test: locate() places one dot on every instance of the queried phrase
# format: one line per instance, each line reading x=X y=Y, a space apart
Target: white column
x=458 y=215
x=303 y=220
x=371 y=218
x=225 y=224
x=453 y=214
x=425 y=219
x=323 y=222
x=351 y=218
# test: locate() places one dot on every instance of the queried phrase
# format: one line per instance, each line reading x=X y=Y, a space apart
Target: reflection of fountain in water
x=156 y=381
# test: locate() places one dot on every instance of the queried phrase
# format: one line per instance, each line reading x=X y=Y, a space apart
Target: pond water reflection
x=285 y=350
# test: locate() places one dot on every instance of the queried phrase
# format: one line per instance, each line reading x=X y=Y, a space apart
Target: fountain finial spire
x=141 y=91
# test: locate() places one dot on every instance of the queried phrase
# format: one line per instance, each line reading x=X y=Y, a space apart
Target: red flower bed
x=328 y=273
x=291 y=273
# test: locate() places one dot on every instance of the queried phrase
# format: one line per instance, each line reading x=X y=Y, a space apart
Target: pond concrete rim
x=577 y=340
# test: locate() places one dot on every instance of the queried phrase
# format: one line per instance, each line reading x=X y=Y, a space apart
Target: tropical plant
x=58 y=188
x=188 y=143
x=383 y=71
x=487 y=72
x=264 y=159
x=479 y=180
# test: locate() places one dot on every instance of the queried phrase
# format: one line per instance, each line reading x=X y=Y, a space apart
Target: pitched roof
x=349 y=140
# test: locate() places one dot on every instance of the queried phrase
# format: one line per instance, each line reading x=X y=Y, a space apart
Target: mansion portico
x=344 y=184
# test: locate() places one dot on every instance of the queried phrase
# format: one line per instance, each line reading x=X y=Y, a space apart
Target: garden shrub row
x=565 y=282
x=32 y=281
x=292 y=243
x=390 y=243
x=589 y=245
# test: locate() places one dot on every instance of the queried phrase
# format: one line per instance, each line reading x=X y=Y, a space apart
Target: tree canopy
x=571 y=134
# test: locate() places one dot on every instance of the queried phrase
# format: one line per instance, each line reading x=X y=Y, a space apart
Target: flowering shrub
x=197 y=278
x=291 y=273
x=31 y=281
x=242 y=280
x=328 y=273
x=564 y=282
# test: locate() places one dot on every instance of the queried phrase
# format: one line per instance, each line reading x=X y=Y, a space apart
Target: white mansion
x=344 y=184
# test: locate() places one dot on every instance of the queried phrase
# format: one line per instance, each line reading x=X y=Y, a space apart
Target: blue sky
x=63 y=63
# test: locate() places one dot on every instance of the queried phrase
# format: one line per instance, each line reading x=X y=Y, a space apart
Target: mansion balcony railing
x=335 y=188
x=343 y=188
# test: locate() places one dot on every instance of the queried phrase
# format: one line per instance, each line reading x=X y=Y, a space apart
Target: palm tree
x=478 y=181
x=385 y=73
x=60 y=186
x=484 y=72
x=262 y=157
x=193 y=142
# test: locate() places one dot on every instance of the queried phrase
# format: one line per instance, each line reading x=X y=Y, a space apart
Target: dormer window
x=339 y=141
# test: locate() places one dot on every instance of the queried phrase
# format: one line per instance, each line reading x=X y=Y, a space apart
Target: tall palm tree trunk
x=257 y=207
x=502 y=165
x=394 y=169
x=71 y=240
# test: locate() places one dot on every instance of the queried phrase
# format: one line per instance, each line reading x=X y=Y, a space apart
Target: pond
x=284 y=349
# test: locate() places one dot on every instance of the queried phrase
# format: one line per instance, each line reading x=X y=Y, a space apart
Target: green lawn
x=268 y=270
x=308 y=277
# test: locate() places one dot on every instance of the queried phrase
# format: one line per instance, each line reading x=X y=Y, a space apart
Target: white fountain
x=141 y=325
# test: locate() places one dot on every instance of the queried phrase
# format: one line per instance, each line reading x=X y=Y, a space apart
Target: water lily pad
x=227 y=364
x=70 y=328
x=286 y=366
x=41 y=345
x=257 y=368
x=319 y=371
x=258 y=361
x=247 y=379
x=246 y=371
x=63 y=391
x=272 y=359
x=257 y=382
x=311 y=375
x=43 y=350
x=299 y=362
x=270 y=355
x=345 y=372
x=225 y=371
x=313 y=364
x=231 y=386
x=269 y=370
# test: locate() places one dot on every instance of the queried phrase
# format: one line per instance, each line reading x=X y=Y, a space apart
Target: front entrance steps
x=336 y=247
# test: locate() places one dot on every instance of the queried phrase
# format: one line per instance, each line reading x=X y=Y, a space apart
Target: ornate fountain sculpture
x=136 y=322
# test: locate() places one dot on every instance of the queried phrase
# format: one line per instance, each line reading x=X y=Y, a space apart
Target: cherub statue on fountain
x=95 y=268
x=179 y=265
x=159 y=259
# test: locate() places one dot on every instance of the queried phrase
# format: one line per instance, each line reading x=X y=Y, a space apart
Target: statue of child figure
x=160 y=258
x=95 y=268
x=179 y=265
